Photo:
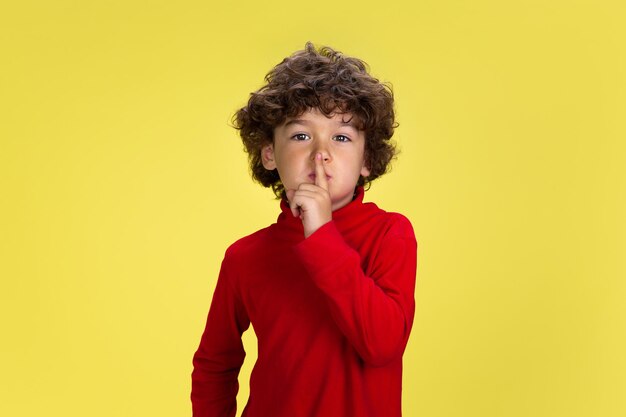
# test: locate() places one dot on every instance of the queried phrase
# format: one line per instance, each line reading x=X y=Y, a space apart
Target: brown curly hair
x=332 y=82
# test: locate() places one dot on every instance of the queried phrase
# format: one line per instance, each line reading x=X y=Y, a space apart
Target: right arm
x=219 y=357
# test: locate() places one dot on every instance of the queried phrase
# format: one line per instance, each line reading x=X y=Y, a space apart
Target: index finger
x=320 y=172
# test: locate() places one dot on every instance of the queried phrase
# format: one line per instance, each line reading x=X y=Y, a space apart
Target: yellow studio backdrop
x=122 y=185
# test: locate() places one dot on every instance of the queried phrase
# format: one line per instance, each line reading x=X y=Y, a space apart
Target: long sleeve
x=220 y=355
x=375 y=311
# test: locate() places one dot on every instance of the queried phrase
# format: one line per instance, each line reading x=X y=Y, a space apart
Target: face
x=299 y=139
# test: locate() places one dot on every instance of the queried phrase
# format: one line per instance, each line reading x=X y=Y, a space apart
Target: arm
x=220 y=355
x=374 y=312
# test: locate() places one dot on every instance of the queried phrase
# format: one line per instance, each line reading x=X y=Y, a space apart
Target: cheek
x=293 y=156
x=289 y=162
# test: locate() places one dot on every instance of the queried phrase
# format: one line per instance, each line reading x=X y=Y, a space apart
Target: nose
x=321 y=148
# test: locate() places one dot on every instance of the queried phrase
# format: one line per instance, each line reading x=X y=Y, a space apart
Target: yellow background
x=122 y=185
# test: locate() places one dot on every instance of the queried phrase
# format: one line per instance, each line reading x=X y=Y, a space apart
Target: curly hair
x=331 y=82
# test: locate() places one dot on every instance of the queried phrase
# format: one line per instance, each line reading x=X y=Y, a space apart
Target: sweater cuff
x=324 y=251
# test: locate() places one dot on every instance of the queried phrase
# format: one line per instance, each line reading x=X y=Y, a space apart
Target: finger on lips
x=320 y=172
x=308 y=192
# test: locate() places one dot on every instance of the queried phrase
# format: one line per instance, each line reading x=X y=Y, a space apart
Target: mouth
x=312 y=176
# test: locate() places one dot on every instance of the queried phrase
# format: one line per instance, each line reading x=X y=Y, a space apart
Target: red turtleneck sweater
x=332 y=314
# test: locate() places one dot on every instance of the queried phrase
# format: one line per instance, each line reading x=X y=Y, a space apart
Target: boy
x=329 y=287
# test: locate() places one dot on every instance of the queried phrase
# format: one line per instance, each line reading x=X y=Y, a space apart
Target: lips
x=312 y=176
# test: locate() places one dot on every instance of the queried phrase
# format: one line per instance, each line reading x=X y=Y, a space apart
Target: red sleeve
x=374 y=312
x=219 y=357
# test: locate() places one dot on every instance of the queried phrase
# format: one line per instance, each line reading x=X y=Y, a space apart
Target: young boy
x=329 y=287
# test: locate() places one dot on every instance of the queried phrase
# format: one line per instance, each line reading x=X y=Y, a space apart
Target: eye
x=341 y=138
x=300 y=136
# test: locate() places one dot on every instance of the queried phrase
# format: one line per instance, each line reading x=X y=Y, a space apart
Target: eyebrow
x=306 y=123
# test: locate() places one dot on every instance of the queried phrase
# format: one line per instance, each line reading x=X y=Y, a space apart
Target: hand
x=311 y=202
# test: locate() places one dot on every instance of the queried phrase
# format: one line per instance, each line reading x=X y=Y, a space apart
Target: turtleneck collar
x=346 y=217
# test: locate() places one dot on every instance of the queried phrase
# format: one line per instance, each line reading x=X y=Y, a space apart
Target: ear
x=267 y=157
x=365 y=171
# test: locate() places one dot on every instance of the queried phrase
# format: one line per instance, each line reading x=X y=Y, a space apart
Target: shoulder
x=400 y=225
x=390 y=223
x=247 y=246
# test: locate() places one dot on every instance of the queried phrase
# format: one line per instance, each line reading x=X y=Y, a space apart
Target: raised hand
x=311 y=202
